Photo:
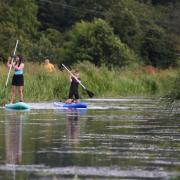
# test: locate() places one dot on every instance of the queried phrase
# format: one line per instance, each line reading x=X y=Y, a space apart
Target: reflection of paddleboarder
x=13 y=138
x=73 y=125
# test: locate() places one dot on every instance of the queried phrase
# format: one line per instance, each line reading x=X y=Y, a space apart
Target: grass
x=43 y=86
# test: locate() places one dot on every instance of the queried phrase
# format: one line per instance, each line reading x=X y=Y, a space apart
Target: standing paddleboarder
x=18 y=78
x=73 y=91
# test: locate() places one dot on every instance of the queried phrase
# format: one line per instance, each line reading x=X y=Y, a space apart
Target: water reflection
x=13 y=137
x=72 y=121
x=73 y=126
x=137 y=143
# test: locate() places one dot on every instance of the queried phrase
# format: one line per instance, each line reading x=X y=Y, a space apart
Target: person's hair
x=47 y=60
x=20 y=60
x=76 y=71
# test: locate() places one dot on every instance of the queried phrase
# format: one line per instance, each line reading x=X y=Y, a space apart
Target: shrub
x=96 y=42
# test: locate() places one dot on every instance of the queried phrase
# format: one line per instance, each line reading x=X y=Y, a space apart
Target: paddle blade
x=90 y=94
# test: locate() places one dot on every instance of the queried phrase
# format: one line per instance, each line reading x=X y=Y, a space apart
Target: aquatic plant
x=103 y=82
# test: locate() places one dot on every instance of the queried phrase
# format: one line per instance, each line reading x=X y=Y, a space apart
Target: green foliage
x=46 y=29
x=158 y=50
x=124 y=22
x=48 y=46
x=97 y=43
x=174 y=92
x=164 y=1
x=171 y=19
x=18 y=21
x=134 y=21
x=62 y=14
x=43 y=86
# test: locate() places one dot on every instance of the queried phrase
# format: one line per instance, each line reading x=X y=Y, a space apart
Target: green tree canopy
x=96 y=42
x=17 y=21
x=45 y=26
x=158 y=49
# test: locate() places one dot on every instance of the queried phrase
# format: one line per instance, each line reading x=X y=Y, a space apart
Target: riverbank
x=43 y=86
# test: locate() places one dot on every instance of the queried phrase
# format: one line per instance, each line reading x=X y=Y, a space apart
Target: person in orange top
x=48 y=66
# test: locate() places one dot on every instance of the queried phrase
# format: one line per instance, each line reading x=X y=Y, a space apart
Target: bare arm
x=9 y=62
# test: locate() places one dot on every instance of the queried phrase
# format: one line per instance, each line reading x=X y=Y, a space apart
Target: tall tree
x=96 y=42
x=62 y=14
x=17 y=21
x=158 y=49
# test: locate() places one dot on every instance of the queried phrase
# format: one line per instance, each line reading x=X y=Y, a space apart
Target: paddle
x=90 y=94
x=11 y=63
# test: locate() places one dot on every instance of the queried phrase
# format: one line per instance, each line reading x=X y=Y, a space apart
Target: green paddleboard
x=17 y=106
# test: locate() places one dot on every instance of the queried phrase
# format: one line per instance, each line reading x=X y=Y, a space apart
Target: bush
x=96 y=42
x=158 y=50
x=174 y=92
x=47 y=46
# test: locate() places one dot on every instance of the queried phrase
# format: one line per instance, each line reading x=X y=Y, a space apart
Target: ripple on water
x=89 y=171
x=124 y=138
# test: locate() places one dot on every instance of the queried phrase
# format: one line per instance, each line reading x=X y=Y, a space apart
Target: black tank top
x=74 y=83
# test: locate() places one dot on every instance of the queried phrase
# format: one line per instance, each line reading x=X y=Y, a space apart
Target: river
x=128 y=138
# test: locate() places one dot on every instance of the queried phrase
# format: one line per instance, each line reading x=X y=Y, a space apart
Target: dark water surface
x=132 y=138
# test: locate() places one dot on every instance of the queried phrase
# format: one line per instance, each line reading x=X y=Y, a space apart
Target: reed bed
x=104 y=83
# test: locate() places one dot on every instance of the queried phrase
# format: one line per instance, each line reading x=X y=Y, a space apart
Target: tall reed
x=43 y=86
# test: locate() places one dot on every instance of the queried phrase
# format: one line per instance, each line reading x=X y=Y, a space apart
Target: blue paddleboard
x=70 y=105
x=17 y=106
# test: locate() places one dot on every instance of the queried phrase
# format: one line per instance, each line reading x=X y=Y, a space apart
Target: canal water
x=129 y=138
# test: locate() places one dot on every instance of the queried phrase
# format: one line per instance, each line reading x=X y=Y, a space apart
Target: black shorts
x=73 y=92
x=18 y=80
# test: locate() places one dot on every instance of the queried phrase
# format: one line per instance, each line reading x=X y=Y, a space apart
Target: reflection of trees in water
x=73 y=126
x=13 y=138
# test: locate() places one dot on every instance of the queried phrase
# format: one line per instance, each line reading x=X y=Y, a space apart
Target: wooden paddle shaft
x=74 y=76
x=11 y=63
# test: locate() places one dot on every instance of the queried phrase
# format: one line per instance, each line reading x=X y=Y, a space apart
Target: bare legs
x=20 y=90
x=69 y=101
x=13 y=93
x=72 y=100
x=77 y=101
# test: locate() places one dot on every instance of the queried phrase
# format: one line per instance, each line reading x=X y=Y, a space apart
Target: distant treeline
x=109 y=32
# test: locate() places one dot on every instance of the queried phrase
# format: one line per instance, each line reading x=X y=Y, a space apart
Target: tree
x=158 y=49
x=163 y=2
x=125 y=23
x=96 y=43
x=47 y=46
x=63 y=14
x=17 y=21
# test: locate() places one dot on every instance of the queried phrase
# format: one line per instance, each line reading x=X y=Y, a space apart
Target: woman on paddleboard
x=73 y=91
x=18 y=78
